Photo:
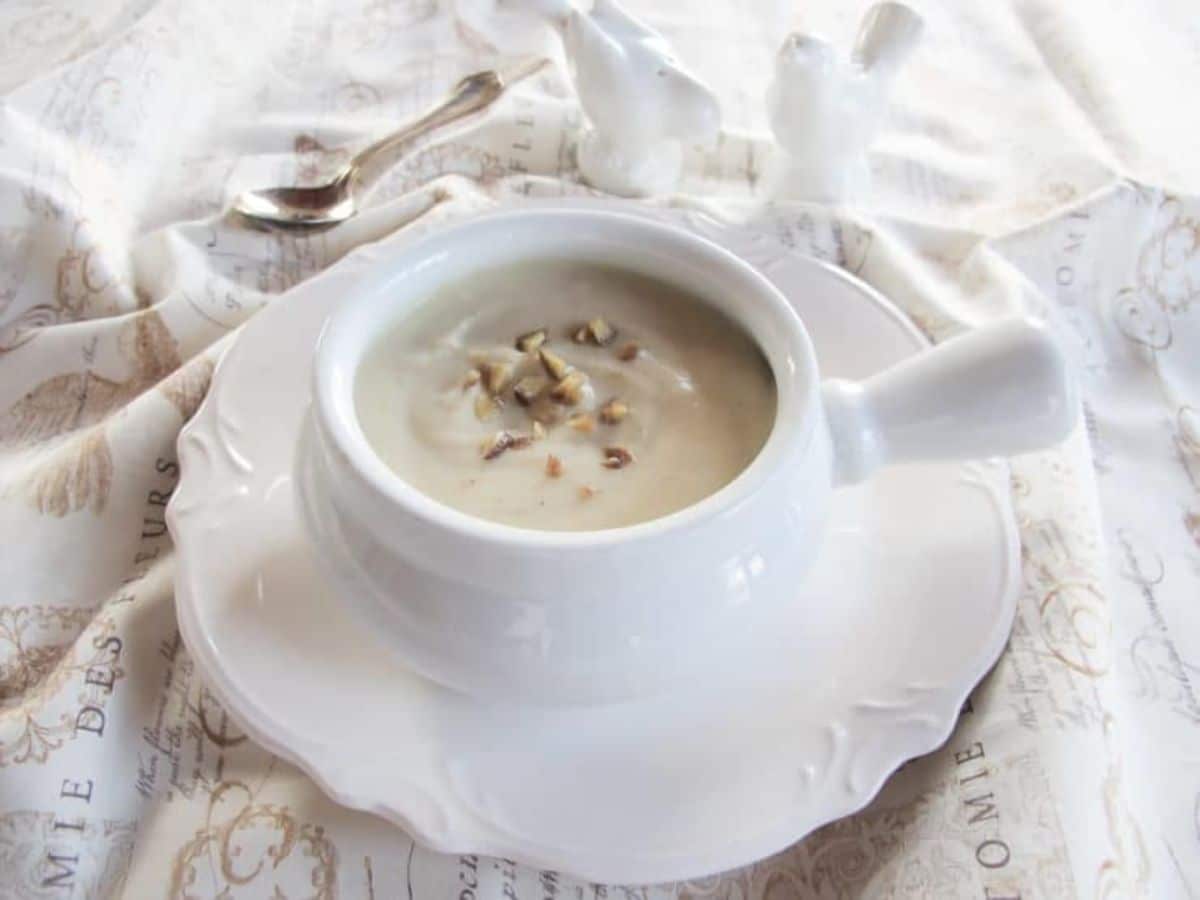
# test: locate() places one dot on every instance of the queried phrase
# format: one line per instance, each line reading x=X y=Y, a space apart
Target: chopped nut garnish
x=485 y=405
x=629 y=352
x=602 y=333
x=527 y=389
x=521 y=441
x=582 y=422
x=554 y=466
x=531 y=340
x=586 y=493
x=613 y=412
x=470 y=380
x=495 y=376
x=616 y=458
x=597 y=332
x=556 y=367
x=539 y=430
x=569 y=389
x=496 y=444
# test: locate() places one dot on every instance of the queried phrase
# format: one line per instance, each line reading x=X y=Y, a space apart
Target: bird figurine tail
x=888 y=34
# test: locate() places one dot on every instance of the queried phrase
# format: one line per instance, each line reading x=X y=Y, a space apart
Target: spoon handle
x=473 y=93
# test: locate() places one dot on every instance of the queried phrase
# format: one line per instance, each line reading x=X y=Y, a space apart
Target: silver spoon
x=328 y=204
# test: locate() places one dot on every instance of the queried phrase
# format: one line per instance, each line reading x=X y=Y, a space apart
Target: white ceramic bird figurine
x=825 y=110
x=639 y=100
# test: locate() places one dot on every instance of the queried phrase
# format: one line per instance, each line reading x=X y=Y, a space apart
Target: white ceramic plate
x=909 y=605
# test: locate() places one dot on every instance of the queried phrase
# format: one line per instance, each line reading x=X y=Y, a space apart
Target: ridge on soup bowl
x=531 y=614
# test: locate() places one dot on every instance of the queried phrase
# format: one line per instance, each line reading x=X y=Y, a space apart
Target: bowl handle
x=998 y=390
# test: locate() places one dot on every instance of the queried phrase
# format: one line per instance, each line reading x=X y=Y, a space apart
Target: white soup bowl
x=559 y=617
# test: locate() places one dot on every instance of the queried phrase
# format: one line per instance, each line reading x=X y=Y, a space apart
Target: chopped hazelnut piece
x=521 y=441
x=582 y=422
x=597 y=332
x=569 y=389
x=470 y=379
x=602 y=333
x=531 y=340
x=554 y=466
x=539 y=430
x=496 y=444
x=527 y=389
x=613 y=412
x=485 y=405
x=629 y=352
x=616 y=458
x=495 y=376
x=556 y=367
x=586 y=493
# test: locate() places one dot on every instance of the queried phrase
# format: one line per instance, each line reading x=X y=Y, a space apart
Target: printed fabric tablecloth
x=1042 y=156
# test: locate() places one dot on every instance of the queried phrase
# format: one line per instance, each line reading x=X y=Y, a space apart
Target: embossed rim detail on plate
x=920 y=716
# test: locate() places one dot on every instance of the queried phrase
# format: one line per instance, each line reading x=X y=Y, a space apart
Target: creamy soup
x=565 y=396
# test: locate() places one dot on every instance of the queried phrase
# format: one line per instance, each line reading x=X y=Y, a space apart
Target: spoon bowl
x=317 y=207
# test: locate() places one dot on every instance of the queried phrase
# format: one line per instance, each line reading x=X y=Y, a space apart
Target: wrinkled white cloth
x=1041 y=157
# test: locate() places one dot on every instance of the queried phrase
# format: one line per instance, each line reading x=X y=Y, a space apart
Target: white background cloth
x=1042 y=156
